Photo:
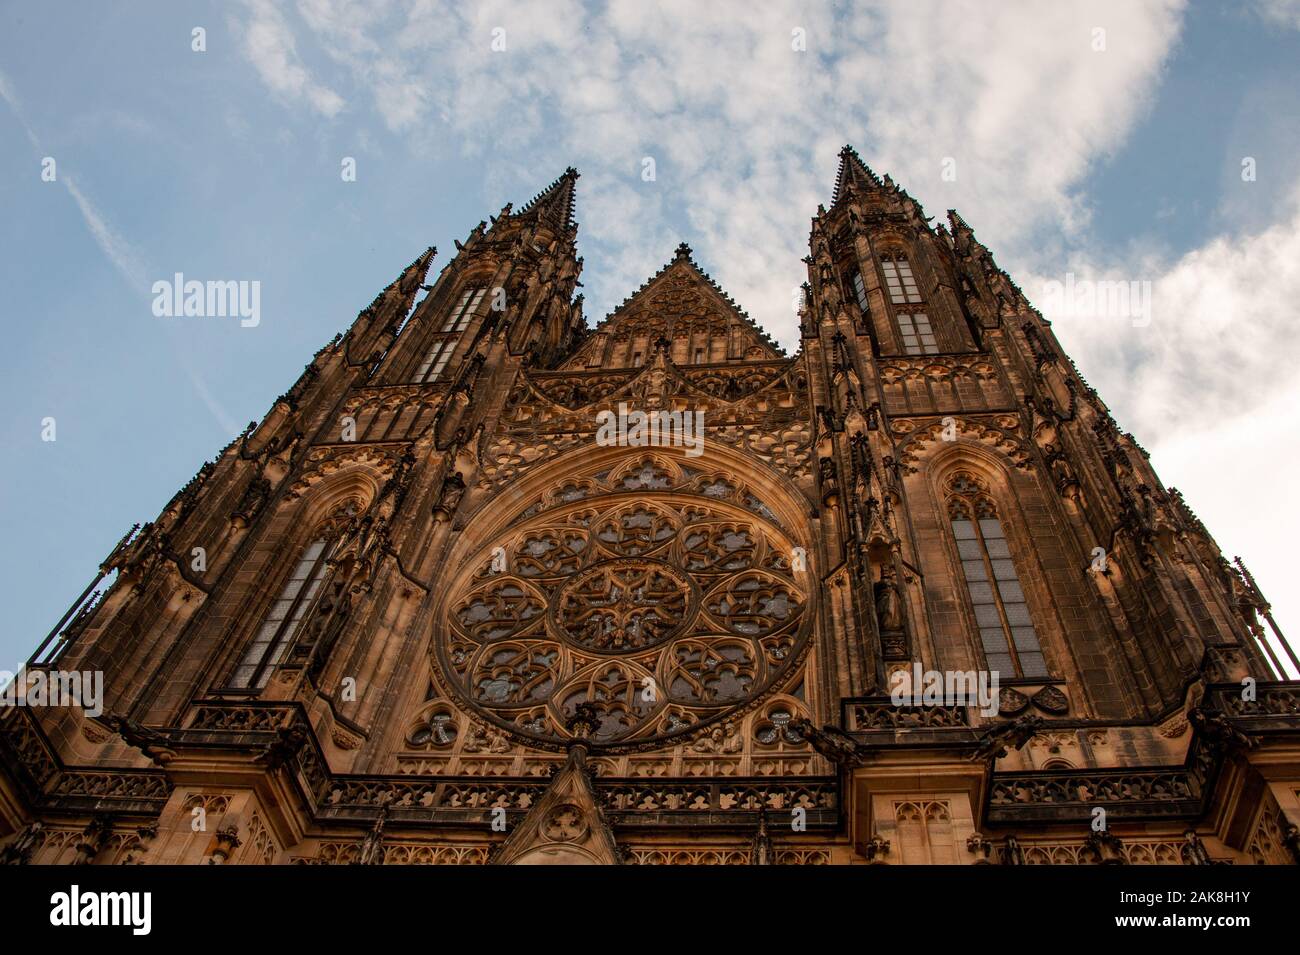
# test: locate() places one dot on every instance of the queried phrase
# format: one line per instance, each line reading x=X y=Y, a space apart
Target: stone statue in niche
x=889 y=605
x=453 y=488
x=889 y=615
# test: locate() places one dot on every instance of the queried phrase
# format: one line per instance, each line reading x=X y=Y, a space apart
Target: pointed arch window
x=914 y=327
x=275 y=635
x=464 y=310
x=1007 y=634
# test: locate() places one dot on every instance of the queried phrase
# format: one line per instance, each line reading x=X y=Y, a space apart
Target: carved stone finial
x=1291 y=839
x=760 y=848
x=372 y=847
x=19 y=850
x=1012 y=852
x=584 y=721
x=93 y=838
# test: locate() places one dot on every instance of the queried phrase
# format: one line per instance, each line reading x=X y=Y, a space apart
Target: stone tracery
x=666 y=611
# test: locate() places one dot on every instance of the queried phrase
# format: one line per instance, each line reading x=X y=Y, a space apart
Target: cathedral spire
x=401 y=291
x=959 y=226
x=384 y=316
x=853 y=174
x=554 y=204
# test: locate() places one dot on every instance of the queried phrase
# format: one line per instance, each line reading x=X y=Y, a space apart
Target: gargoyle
x=289 y=740
x=835 y=744
x=1217 y=730
x=994 y=743
x=153 y=744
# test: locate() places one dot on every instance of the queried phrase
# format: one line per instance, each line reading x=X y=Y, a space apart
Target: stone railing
x=31 y=761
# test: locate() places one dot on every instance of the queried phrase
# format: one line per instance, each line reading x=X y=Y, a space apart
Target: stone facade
x=423 y=612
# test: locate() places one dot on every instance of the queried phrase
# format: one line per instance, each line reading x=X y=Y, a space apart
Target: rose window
x=622 y=605
x=661 y=596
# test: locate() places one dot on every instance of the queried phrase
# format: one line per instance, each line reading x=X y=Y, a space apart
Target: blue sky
x=1121 y=160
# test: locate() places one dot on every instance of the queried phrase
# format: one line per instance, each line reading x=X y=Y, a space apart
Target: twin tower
x=420 y=614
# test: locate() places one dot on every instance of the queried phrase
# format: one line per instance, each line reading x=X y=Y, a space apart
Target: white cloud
x=745 y=133
x=1238 y=473
x=1209 y=386
x=1220 y=331
x=744 y=129
x=270 y=46
x=1284 y=12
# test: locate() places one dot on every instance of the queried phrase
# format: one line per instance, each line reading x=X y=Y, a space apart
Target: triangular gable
x=680 y=300
x=565 y=826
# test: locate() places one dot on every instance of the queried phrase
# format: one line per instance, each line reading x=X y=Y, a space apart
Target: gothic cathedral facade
x=437 y=619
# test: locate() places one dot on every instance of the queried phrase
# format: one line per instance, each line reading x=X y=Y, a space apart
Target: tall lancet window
x=909 y=307
x=860 y=294
x=275 y=635
x=1007 y=634
x=464 y=310
x=436 y=360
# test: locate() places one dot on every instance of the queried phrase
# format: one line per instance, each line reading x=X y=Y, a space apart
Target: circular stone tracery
x=623 y=605
x=661 y=596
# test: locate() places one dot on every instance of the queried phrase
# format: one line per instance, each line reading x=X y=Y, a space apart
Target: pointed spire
x=402 y=292
x=413 y=275
x=554 y=204
x=853 y=174
x=402 y=289
x=388 y=312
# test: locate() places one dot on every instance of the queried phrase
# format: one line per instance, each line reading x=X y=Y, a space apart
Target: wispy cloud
x=269 y=45
x=745 y=126
x=1220 y=332
x=1026 y=100
x=117 y=249
x=129 y=261
x=11 y=98
x=1284 y=12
